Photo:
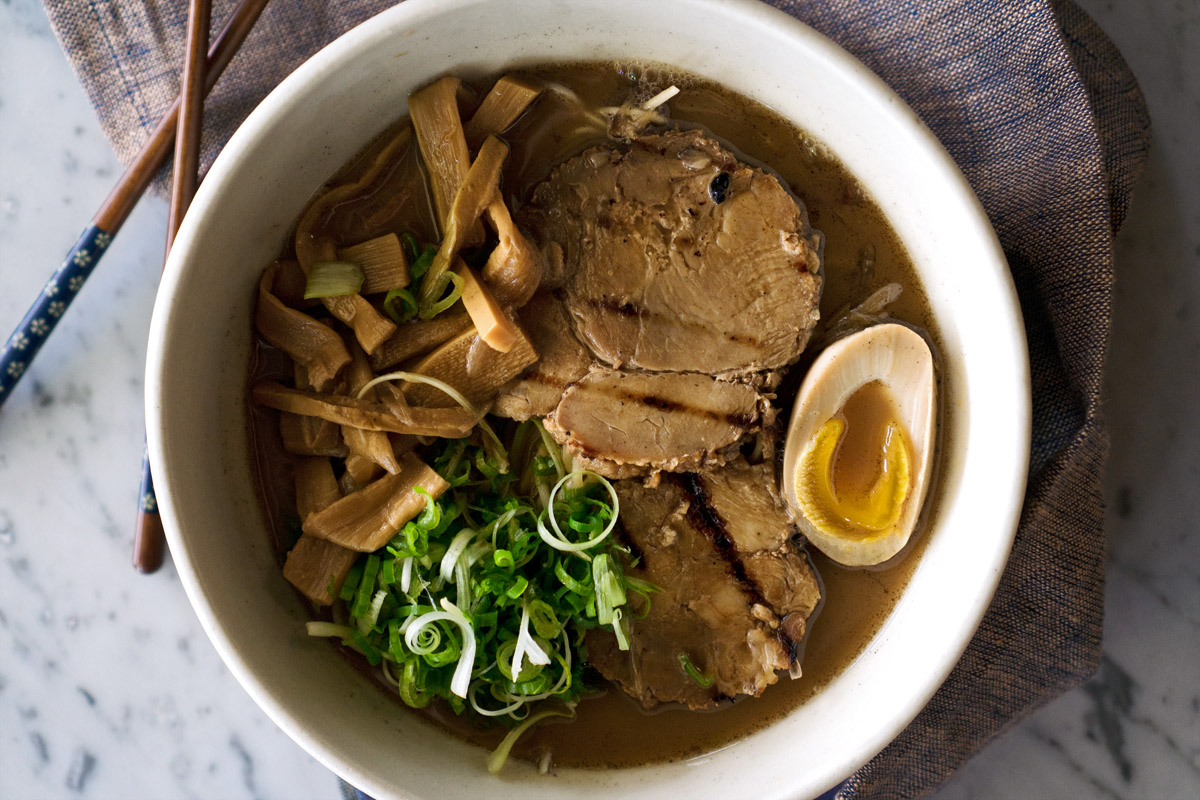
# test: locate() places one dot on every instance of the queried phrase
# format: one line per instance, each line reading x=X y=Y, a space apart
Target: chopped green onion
x=411 y=248
x=496 y=760
x=643 y=588
x=564 y=576
x=456 y=548
x=558 y=540
x=333 y=279
x=366 y=587
x=406 y=575
x=350 y=585
x=468 y=602
x=543 y=619
x=407 y=305
x=490 y=712
x=462 y=673
x=395 y=647
x=423 y=637
x=421 y=265
x=526 y=646
x=411 y=689
x=504 y=657
x=620 y=629
x=518 y=588
x=696 y=675
x=430 y=516
x=448 y=280
x=328 y=629
x=484 y=465
x=609 y=592
x=369 y=650
x=368 y=620
x=552 y=448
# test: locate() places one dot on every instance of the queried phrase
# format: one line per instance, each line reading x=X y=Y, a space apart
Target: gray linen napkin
x=1046 y=121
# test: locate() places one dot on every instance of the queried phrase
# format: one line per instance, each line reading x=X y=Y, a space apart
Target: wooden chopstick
x=148 y=534
x=124 y=197
x=42 y=317
x=186 y=175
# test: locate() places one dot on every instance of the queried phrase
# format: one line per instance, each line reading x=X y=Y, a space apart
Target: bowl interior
x=324 y=114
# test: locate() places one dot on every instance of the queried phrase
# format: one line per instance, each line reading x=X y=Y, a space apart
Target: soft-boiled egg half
x=858 y=459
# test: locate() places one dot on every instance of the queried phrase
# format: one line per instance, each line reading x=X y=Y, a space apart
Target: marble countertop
x=109 y=687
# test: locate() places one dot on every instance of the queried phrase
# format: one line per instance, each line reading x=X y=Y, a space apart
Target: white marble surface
x=109 y=688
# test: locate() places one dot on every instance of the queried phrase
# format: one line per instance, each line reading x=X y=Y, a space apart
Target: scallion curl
x=558 y=539
x=450 y=279
x=455 y=395
x=451 y=613
x=400 y=305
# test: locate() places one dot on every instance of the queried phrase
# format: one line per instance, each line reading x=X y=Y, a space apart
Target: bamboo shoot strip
x=309 y=435
x=368 y=519
x=476 y=192
x=472 y=368
x=289 y=285
x=314 y=566
x=306 y=340
x=316 y=486
x=382 y=262
x=452 y=423
x=358 y=473
x=306 y=237
x=370 y=327
x=434 y=113
x=507 y=100
x=515 y=267
x=373 y=447
x=494 y=326
x=418 y=338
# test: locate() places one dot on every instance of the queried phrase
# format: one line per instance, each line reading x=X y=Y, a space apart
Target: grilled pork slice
x=678 y=283
x=736 y=595
x=563 y=361
x=749 y=512
x=621 y=424
x=676 y=257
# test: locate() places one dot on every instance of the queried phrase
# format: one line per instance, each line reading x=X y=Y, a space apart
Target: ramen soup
x=520 y=399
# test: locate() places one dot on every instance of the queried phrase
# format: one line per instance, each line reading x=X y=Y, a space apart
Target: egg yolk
x=853 y=477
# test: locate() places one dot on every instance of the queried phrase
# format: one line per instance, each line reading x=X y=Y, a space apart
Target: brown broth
x=861 y=253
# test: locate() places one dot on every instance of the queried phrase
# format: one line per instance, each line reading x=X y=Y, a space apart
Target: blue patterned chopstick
x=49 y=307
x=61 y=289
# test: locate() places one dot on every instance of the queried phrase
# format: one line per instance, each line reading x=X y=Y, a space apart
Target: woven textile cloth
x=1046 y=121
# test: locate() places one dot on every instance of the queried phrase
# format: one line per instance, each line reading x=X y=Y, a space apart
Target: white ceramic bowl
x=320 y=117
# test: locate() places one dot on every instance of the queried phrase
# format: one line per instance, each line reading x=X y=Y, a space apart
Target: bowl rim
x=410 y=14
